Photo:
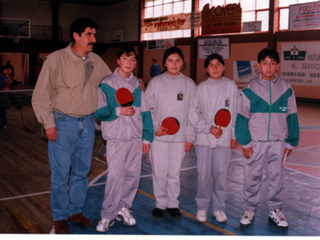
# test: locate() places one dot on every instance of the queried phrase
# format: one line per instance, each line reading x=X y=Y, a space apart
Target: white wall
x=121 y=15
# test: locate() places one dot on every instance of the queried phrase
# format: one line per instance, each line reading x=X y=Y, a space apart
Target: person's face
x=268 y=68
x=7 y=71
x=87 y=39
x=127 y=63
x=215 y=69
x=173 y=64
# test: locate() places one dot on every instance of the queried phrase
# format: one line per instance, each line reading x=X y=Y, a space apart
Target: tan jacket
x=61 y=86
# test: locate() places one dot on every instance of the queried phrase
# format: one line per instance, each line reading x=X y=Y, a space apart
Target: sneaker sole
x=271 y=220
x=246 y=225
x=202 y=221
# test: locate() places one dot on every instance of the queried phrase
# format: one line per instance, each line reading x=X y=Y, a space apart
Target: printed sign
x=207 y=46
x=219 y=19
x=181 y=21
x=160 y=44
x=244 y=71
x=304 y=16
x=300 y=63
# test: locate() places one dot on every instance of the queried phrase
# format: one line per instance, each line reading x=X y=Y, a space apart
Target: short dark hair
x=211 y=57
x=268 y=52
x=5 y=67
x=170 y=51
x=154 y=60
x=79 y=26
x=127 y=50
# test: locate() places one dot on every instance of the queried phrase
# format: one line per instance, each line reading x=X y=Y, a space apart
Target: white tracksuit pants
x=166 y=159
x=124 y=168
x=272 y=154
x=212 y=164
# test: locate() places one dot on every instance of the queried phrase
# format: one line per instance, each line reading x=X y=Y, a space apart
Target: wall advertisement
x=304 y=16
x=300 y=63
x=206 y=46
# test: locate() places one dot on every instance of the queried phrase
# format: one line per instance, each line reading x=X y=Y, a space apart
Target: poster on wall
x=300 y=63
x=221 y=19
x=244 y=71
x=304 y=16
x=160 y=44
x=206 y=46
x=181 y=21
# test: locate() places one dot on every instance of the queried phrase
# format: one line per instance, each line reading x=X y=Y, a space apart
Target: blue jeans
x=72 y=149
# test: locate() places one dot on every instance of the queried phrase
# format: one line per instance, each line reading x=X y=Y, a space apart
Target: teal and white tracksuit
x=169 y=96
x=125 y=136
x=213 y=155
x=267 y=121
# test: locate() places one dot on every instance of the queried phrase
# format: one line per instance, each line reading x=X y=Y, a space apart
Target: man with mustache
x=64 y=100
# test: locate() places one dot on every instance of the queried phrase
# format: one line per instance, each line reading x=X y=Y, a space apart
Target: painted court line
x=23 y=196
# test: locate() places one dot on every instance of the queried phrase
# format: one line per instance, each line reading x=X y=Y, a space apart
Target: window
x=284 y=11
x=252 y=10
x=157 y=8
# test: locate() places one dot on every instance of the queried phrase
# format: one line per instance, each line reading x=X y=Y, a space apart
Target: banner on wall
x=304 y=16
x=181 y=21
x=226 y=19
x=244 y=71
x=160 y=44
x=207 y=46
x=300 y=63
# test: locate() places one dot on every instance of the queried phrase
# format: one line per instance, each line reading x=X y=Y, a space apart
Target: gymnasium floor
x=301 y=205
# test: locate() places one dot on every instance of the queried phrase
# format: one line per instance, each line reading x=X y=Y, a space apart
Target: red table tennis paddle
x=222 y=118
x=172 y=124
x=124 y=97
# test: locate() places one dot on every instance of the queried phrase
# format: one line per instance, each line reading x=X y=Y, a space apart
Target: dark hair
x=268 y=52
x=154 y=60
x=211 y=57
x=170 y=51
x=6 y=67
x=79 y=26
x=127 y=50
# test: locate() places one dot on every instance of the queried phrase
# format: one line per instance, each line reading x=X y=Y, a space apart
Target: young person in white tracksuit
x=169 y=95
x=267 y=127
x=129 y=132
x=213 y=145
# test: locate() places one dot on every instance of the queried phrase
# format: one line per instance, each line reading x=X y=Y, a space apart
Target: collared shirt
x=82 y=58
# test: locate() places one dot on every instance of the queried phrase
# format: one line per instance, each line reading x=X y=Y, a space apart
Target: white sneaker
x=104 y=225
x=247 y=218
x=220 y=216
x=277 y=217
x=201 y=215
x=125 y=216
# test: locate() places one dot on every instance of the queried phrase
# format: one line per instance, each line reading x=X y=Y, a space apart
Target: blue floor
x=301 y=206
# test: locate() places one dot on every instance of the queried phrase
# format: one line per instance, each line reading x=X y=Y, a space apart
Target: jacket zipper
x=269 y=110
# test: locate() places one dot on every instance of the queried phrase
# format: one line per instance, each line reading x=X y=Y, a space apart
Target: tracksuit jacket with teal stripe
x=267 y=111
x=116 y=127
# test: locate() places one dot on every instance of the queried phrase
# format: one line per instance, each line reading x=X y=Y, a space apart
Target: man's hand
x=52 y=134
x=146 y=148
x=188 y=146
x=127 y=111
x=161 y=131
x=247 y=151
x=142 y=86
x=233 y=143
x=217 y=132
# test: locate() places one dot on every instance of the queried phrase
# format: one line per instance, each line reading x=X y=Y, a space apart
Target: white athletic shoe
x=125 y=216
x=220 y=216
x=277 y=217
x=104 y=225
x=247 y=218
x=201 y=215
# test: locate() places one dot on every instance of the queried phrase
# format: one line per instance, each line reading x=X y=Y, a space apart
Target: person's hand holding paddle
x=161 y=131
x=51 y=134
x=217 y=132
x=286 y=154
x=146 y=148
x=127 y=111
x=188 y=146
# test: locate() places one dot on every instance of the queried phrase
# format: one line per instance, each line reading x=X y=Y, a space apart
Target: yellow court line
x=193 y=217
